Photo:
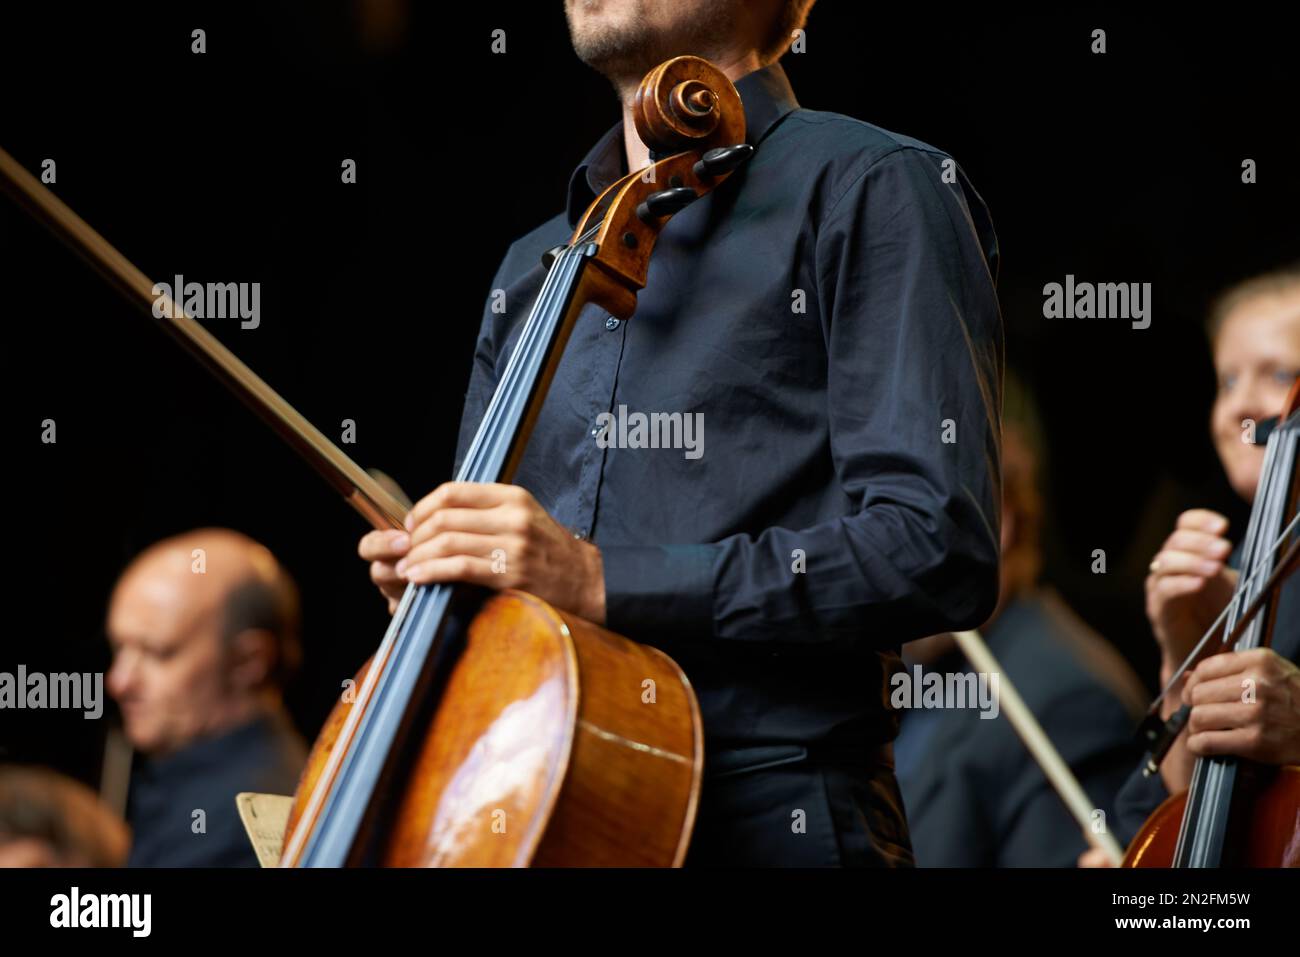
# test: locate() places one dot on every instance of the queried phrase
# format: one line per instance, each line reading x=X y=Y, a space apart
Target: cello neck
x=1208 y=819
x=494 y=453
x=422 y=638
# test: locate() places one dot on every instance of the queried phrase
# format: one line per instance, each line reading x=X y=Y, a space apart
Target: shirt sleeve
x=905 y=285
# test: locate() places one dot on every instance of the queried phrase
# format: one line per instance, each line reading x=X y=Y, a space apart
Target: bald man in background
x=204 y=634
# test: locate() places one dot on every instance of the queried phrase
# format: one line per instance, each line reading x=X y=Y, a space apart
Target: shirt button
x=580 y=535
x=611 y=323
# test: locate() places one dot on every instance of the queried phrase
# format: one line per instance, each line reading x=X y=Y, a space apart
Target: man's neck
x=246 y=710
x=638 y=154
x=240 y=712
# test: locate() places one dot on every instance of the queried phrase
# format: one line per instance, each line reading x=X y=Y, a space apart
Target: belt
x=728 y=760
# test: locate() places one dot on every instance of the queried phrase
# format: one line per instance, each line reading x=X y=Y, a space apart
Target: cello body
x=1268 y=837
x=555 y=743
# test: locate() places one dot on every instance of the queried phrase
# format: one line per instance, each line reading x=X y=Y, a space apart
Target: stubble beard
x=625 y=52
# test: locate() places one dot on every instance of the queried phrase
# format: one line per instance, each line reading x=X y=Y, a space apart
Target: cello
x=491 y=729
x=1238 y=813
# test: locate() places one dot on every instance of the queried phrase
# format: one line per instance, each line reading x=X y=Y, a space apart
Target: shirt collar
x=766 y=95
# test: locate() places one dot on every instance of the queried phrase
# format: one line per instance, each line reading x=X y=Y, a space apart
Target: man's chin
x=144 y=740
x=616 y=47
x=608 y=54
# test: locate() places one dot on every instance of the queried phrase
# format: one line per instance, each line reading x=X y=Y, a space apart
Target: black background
x=1123 y=167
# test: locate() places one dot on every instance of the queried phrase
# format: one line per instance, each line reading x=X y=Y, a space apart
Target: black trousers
x=785 y=806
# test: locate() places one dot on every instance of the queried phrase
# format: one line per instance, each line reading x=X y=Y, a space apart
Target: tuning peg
x=722 y=160
x=665 y=203
x=552 y=254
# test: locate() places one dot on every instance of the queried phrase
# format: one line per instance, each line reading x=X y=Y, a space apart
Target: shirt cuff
x=659 y=591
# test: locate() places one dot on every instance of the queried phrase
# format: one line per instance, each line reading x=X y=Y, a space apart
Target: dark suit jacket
x=266 y=755
x=974 y=795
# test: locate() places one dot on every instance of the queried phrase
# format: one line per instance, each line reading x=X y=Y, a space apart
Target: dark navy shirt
x=830 y=312
x=265 y=755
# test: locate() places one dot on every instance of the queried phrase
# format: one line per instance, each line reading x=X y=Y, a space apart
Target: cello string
x=377 y=678
x=544 y=301
x=527 y=356
x=527 y=341
x=544 y=305
x=527 y=337
x=1237 y=597
x=532 y=353
x=419 y=634
x=547 y=310
x=475 y=465
x=414 y=646
x=1210 y=792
